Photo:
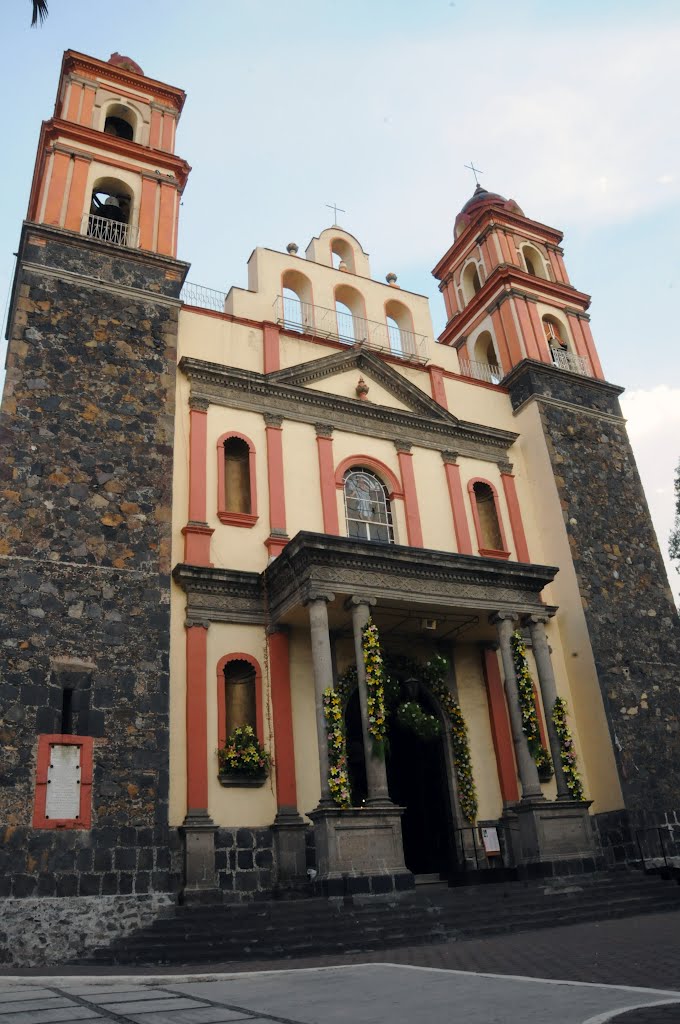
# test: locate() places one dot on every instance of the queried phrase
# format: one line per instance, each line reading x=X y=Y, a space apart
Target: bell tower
x=508 y=296
x=87 y=425
x=106 y=164
x=516 y=320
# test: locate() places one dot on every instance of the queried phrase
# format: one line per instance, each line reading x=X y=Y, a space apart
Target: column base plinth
x=551 y=830
x=358 y=841
x=289 y=831
x=200 y=877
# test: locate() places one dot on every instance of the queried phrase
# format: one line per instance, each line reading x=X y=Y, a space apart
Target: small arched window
x=471 y=281
x=239 y=695
x=120 y=122
x=533 y=262
x=367 y=507
x=490 y=533
x=237 y=494
x=297 y=299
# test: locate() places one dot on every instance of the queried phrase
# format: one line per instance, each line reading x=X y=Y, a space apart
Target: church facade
x=293 y=590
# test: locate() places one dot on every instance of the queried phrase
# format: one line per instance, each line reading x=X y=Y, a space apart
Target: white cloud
x=654 y=428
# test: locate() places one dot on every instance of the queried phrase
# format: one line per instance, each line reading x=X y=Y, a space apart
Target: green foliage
x=338 y=778
x=674 y=539
x=567 y=752
x=413 y=717
x=39 y=12
x=243 y=753
x=527 y=705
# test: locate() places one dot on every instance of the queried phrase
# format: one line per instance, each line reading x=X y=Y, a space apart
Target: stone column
x=376 y=772
x=322 y=666
x=546 y=679
x=526 y=766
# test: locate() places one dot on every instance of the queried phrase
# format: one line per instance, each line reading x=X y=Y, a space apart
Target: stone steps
x=287 y=929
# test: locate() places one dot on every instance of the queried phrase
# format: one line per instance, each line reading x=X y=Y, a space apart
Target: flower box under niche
x=240 y=779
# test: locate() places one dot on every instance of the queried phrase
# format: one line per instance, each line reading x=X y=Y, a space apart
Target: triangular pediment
x=383 y=380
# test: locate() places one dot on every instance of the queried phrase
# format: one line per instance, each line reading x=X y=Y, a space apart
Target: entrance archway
x=417 y=780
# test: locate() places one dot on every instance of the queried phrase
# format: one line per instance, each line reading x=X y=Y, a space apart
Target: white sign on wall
x=492 y=846
x=63 y=782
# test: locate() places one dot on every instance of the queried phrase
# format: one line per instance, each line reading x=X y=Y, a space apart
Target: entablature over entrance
x=286 y=393
x=400 y=576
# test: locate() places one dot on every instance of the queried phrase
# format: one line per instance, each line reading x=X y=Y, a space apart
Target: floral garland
x=527 y=705
x=435 y=670
x=412 y=716
x=243 y=753
x=375 y=685
x=567 y=752
x=338 y=778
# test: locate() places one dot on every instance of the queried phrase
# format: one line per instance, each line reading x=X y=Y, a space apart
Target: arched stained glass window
x=367 y=507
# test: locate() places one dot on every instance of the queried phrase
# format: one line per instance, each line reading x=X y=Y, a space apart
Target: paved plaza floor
x=627 y=972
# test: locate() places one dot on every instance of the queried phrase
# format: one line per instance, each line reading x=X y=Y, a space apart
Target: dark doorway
x=416 y=775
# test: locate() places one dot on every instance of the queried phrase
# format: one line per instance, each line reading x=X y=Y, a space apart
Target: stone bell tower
x=87 y=429
x=515 y=318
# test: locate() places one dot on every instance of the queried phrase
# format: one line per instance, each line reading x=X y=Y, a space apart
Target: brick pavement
x=642 y=951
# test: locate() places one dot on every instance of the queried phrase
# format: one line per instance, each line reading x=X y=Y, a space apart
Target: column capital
x=323 y=429
x=505 y=467
x=497 y=617
x=403 y=447
x=317 y=595
x=537 y=618
x=449 y=458
x=272 y=420
x=358 y=599
x=277 y=628
x=198 y=404
x=202 y=623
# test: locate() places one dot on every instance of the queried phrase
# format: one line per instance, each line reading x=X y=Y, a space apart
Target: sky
x=377 y=105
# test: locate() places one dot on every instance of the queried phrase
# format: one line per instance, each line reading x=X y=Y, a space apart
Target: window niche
x=368 y=512
x=239 y=695
x=488 y=523
x=236 y=486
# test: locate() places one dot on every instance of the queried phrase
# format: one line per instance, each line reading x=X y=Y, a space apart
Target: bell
x=111 y=210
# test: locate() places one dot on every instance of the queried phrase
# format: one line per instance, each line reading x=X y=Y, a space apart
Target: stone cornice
x=511 y=281
x=531 y=379
x=221 y=595
x=312 y=562
x=428 y=428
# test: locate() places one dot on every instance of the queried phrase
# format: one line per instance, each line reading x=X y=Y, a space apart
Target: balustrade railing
x=198 y=295
x=494 y=374
x=569 y=361
x=107 y=230
x=307 y=318
x=480 y=371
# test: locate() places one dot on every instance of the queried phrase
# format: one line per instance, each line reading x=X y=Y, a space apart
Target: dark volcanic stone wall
x=632 y=620
x=85 y=495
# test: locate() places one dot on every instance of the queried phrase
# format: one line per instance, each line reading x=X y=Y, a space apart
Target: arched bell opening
x=110 y=212
x=120 y=122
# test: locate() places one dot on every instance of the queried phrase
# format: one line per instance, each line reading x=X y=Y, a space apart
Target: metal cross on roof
x=475 y=170
x=336 y=210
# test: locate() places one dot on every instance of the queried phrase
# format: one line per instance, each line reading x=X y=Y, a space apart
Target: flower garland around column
x=435 y=677
x=527 y=705
x=567 y=751
x=375 y=686
x=338 y=778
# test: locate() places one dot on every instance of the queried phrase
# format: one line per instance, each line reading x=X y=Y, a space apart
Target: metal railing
x=107 y=230
x=568 y=361
x=480 y=371
x=198 y=295
x=307 y=318
x=494 y=375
